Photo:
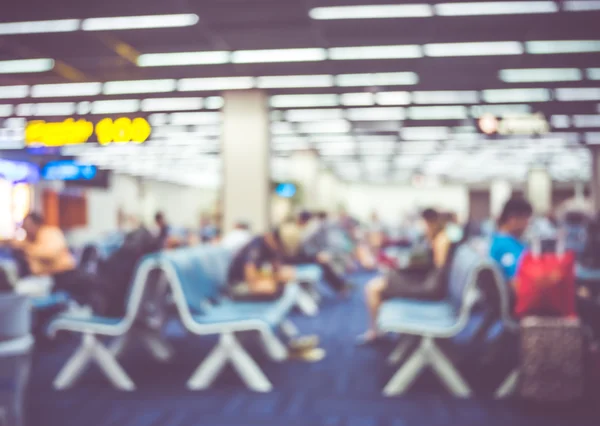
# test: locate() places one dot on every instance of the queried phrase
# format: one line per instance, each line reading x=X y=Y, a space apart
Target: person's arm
x=257 y=282
x=441 y=248
x=48 y=244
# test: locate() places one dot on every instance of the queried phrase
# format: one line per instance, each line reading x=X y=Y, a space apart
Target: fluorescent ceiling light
x=13 y=92
x=393 y=98
x=586 y=120
x=158 y=120
x=116 y=106
x=65 y=90
x=516 y=95
x=581 y=5
x=592 y=74
x=371 y=12
x=377 y=79
x=560 y=121
x=84 y=108
x=26 y=66
x=562 y=46
x=337 y=126
x=489 y=48
x=284 y=81
x=191 y=118
x=55 y=109
x=499 y=110
x=357 y=99
x=375 y=114
x=139 y=22
x=375 y=52
x=437 y=113
x=377 y=148
x=577 y=94
x=282 y=128
x=331 y=138
x=314 y=114
x=182 y=58
x=36 y=27
x=446 y=97
x=592 y=138
x=171 y=104
x=424 y=133
x=278 y=55
x=214 y=102
x=532 y=75
x=6 y=110
x=139 y=86
x=495 y=8
x=218 y=83
x=293 y=101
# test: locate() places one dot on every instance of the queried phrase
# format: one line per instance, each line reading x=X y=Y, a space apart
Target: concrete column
x=500 y=192
x=595 y=175
x=305 y=172
x=539 y=190
x=245 y=153
x=328 y=192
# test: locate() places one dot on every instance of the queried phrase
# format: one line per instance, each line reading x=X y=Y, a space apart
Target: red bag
x=545 y=285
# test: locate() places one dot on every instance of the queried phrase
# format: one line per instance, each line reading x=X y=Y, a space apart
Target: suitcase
x=551 y=359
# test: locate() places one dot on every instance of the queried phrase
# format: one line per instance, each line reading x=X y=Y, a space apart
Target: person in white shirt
x=237 y=238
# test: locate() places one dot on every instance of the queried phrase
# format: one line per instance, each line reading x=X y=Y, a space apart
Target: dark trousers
x=85 y=288
x=331 y=277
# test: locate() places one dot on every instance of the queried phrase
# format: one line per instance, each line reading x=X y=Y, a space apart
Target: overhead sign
x=12 y=133
x=68 y=170
x=514 y=124
x=19 y=171
x=286 y=190
x=75 y=132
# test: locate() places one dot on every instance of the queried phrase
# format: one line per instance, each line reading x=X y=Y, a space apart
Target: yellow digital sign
x=71 y=132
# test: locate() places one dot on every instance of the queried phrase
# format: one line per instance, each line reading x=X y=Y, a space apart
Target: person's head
x=159 y=219
x=285 y=239
x=242 y=225
x=304 y=217
x=32 y=224
x=515 y=216
x=322 y=216
x=432 y=220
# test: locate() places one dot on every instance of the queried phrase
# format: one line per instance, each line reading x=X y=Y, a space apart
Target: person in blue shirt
x=507 y=246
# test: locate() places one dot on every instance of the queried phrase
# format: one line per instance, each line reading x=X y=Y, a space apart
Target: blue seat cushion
x=50 y=301
x=91 y=320
x=419 y=317
x=589 y=274
x=309 y=273
x=271 y=313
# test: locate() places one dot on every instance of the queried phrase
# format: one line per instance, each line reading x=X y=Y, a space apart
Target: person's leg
x=374 y=292
x=332 y=278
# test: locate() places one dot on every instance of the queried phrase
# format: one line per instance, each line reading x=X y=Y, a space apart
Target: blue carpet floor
x=342 y=390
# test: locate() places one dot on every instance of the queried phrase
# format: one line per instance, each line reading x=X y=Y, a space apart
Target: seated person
x=258 y=271
x=163 y=229
x=422 y=279
x=237 y=238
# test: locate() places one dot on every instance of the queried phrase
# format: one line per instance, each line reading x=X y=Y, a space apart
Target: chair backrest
x=138 y=290
x=15 y=316
x=190 y=269
x=462 y=275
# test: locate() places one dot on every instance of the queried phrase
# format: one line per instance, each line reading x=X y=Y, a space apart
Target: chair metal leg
x=276 y=350
x=209 y=369
x=407 y=373
x=113 y=370
x=446 y=371
x=307 y=304
x=160 y=349
x=247 y=368
x=508 y=386
x=76 y=365
x=406 y=342
x=119 y=345
x=289 y=329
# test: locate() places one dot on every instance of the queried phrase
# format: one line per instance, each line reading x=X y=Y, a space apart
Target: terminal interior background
x=255 y=109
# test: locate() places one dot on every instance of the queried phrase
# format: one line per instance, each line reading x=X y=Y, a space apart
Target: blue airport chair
x=89 y=326
x=587 y=274
x=429 y=320
x=308 y=298
x=203 y=311
x=16 y=343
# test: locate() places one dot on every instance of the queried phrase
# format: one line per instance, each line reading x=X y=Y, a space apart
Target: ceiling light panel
x=214 y=102
x=424 y=133
x=560 y=121
x=377 y=148
x=437 y=113
x=14 y=92
x=282 y=128
x=499 y=110
x=446 y=97
x=299 y=101
x=533 y=75
x=6 y=110
x=577 y=94
x=495 y=8
x=23 y=66
x=375 y=114
x=375 y=52
x=593 y=73
x=65 y=90
x=171 y=104
x=372 y=12
x=183 y=58
x=292 y=81
x=357 y=99
x=592 y=138
x=330 y=138
x=492 y=48
x=139 y=22
x=314 y=114
x=38 y=27
x=218 y=83
x=581 y=5
x=191 y=118
x=278 y=55
x=377 y=79
x=334 y=126
x=139 y=86
x=393 y=98
x=586 y=120
x=516 y=95
x=55 y=109
x=552 y=47
x=116 y=107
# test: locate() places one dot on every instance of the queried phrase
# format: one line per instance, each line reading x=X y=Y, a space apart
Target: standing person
x=421 y=279
x=163 y=229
